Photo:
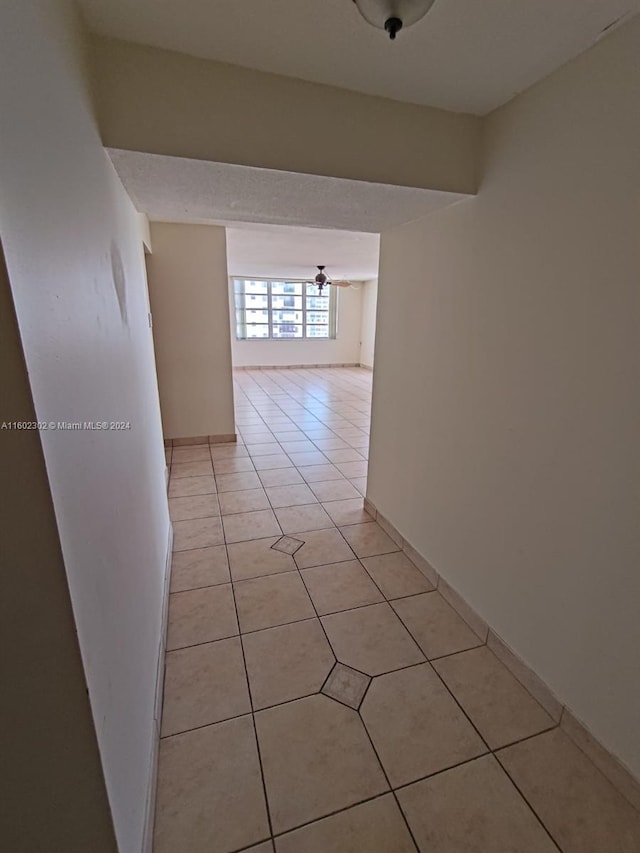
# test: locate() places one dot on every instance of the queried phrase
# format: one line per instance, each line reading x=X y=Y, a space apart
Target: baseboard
x=620 y=776
x=293 y=366
x=189 y=441
x=366 y=366
x=225 y=438
x=609 y=765
x=150 y=810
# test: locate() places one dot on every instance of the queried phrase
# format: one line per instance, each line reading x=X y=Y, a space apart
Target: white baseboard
x=293 y=366
x=193 y=440
x=610 y=765
x=147 y=842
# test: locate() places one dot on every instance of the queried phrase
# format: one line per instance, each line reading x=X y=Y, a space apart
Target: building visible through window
x=283 y=310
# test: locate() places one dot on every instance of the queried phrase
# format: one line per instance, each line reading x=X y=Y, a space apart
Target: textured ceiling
x=272 y=251
x=466 y=55
x=174 y=189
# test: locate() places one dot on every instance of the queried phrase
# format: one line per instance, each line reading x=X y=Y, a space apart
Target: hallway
x=318 y=690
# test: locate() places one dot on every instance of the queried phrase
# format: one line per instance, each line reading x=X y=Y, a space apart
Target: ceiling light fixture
x=393 y=15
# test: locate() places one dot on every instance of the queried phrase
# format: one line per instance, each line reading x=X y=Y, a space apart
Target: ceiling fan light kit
x=322 y=280
x=393 y=15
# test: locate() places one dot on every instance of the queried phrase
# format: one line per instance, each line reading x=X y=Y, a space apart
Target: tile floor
x=320 y=695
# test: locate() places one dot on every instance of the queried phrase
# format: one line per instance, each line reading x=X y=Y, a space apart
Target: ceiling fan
x=322 y=280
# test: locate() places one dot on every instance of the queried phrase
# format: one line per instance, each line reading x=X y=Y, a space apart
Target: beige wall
x=506 y=408
x=368 y=322
x=75 y=261
x=161 y=102
x=188 y=290
x=52 y=787
x=344 y=349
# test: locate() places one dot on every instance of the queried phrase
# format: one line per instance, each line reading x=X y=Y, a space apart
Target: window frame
x=332 y=310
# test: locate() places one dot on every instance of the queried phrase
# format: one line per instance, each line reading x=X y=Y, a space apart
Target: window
x=282 y=310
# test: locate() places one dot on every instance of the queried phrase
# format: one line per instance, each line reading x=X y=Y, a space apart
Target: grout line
x=253 y=719
x=332 y=814
x=446 y=686
x=534 y=812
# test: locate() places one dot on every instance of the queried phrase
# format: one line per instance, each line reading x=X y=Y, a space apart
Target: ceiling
x=176 y=189
x=466 y=55
x=271 y=251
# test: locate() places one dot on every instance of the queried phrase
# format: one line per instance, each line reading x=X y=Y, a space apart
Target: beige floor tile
x=192 y=486
x=302 y=446
x=334 y=490
x=415 y=725
x=319 y=432
x=499 y=706
x=359 y=442
x=316 y=758
x=196 y=506
x=238 y=482
x=250 y=525
x=227 y=451
x=266 y=847
x=247 y=500
x=348 y=454
x=296 y=495
x=197 y=453
x=204 y=684
x=436 y=626
x=210 y=794
x=349 y=432
x=233 y=465
x=368 y=540
x=256 y=435
x=322 y=547
x=201 y=616
x=359 y=483
x=275 y=600
x=199 y=567
x=578 y=805
x=289 y=433
x=340 y=586
x=274 y=460
x=396 y=575
x=473 y=808
x=267 y=448
x=280 y=477
x=371 y=639
x=325 y=444
x=197 y=533
x=298 y=519
x=346 y=685
x=257 y=558
x=320 y=473
x=289 y=544
x=353 y=469
x=376 y=826
x=310 y=457
x=191 y=469
x=348 y=512
x=287 y=662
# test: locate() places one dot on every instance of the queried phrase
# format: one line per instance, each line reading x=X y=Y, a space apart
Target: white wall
x=506 y=440
x=189 y=299
x=50 y=769
x=75 y=261
x=162 y=102
x=345 y=349
x=368 y=322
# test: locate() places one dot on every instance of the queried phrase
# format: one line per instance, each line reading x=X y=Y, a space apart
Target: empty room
x=319 y=426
